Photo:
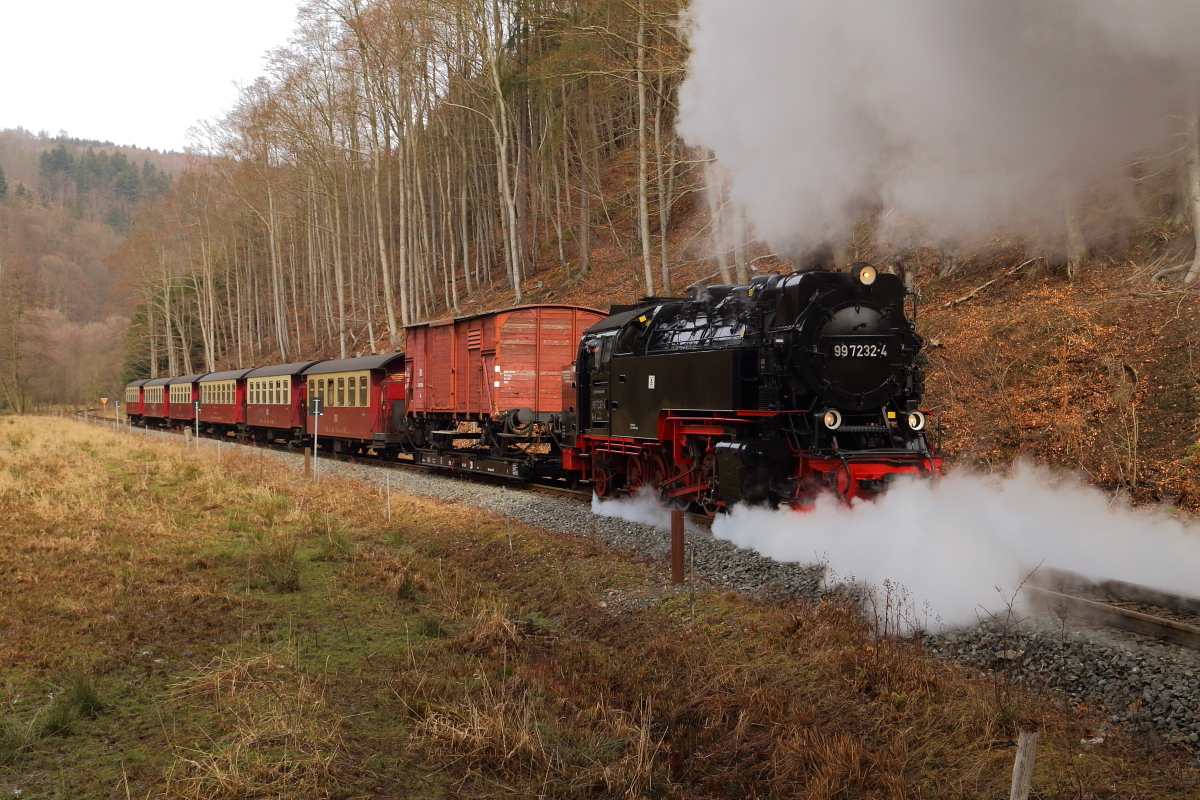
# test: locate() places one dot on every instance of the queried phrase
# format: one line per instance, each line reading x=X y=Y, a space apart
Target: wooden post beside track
x=677 y=547
x=1023 y=767
x=308 y=463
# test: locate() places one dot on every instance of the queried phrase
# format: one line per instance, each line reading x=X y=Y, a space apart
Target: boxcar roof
x=448 y=320
x=227 y=375
x=295 y=368
x=615 y=321
x=187 y=378
x=158 y=382
x=352 y=364
x=137 y=383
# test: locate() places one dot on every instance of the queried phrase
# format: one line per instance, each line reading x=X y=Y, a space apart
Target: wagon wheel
x=602 y=478
x=657 y=474
x=708 y=500
x=636 y=473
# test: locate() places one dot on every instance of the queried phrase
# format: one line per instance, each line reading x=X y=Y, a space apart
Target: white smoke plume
x=964 y=543
x=641 y=507
x=949 y=118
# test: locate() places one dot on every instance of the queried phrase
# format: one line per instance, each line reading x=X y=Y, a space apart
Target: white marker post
x=196 y=413
x=316 y=411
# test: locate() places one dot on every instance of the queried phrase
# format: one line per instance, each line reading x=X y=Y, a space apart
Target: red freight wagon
x=154 y=401
x=182 y=393
x=356 y=394
x=222 y=401
x=483 y=366
x=133 y=401
x=275 y=399
x=494 y=380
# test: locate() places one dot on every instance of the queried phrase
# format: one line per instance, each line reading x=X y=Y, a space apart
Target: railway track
x=1150 y=612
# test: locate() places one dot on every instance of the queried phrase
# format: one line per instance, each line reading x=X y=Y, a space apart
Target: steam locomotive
x=766 y=393
x=769 y=393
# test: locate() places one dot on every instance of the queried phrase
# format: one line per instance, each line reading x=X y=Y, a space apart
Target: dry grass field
x=175 y=627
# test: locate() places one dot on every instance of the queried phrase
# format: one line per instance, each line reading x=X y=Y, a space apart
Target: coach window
x=351 y=395
x=321 y=389
x=362 y=391
x=341 y=395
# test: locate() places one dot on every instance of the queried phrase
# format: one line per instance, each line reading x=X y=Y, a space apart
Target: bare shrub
x=275 y=735
x=491 y=632
x=510 y=733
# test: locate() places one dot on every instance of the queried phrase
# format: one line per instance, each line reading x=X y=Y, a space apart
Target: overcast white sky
x=131 y=71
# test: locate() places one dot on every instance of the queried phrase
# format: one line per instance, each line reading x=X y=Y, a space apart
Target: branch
x=1169 y=271
x=981 y=288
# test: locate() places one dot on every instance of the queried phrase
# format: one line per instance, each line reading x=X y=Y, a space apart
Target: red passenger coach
x=133 y=401
x=275 y=399
x=222 y=401
x=357 y=395
x=182 y=393
x=494 y=378
x=154 y=401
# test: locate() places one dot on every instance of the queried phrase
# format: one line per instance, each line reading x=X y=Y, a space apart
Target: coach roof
x=137 y=383
x=158 y=382
x=352 y=364
x=187 y=378
x=294 y=368
x=227 y=375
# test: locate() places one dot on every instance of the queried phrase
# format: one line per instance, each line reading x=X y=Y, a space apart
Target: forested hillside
x=65 y=207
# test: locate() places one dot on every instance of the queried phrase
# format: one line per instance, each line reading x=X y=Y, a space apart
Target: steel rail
x=1115 y=616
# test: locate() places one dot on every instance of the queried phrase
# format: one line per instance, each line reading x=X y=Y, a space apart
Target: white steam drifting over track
x=964 y=544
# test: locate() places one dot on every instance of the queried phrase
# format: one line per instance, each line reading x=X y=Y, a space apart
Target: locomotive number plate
x=844 y=349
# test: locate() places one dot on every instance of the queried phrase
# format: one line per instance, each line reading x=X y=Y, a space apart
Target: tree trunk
x=643 y=203
x=1193 y=188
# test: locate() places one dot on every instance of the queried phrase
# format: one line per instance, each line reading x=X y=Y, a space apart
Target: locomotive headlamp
x=832 y=419
x=866 y=275
x=916 y=421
